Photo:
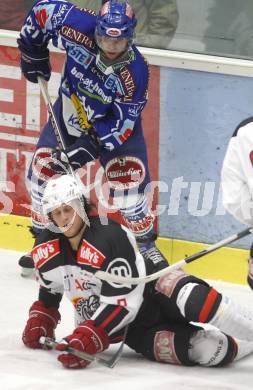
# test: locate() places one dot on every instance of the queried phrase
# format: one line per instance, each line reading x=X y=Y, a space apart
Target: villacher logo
x=126 y=172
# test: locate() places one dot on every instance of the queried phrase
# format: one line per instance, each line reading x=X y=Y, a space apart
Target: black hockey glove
x=34 y=62
x=84 y=150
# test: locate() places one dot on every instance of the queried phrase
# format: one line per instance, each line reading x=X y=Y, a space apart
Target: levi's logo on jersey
x=90 y=255
x=44 y=252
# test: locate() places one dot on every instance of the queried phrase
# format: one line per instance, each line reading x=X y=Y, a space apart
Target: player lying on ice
x=75 y=245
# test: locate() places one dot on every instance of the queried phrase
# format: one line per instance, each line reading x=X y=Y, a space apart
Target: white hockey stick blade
x=108 y=277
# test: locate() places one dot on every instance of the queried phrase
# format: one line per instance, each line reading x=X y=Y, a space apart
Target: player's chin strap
x=58 y=133
x=145 y=279
x=108 y=362
x=108 y=66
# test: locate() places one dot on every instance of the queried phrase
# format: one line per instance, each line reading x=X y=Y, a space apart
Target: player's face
x=112 y=47
x=67 y=218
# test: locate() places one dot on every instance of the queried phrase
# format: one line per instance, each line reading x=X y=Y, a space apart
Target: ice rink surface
x=25 y=369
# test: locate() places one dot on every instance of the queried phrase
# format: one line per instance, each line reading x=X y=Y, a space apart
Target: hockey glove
x=34 y=62
x=88 y=338
x=42 y=322
x=84 y=150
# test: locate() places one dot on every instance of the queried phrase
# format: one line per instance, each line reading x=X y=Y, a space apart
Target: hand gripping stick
x=109 y=362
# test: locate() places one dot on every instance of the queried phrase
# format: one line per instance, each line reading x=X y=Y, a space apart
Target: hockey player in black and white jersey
x=237 y=179
x=67 y=255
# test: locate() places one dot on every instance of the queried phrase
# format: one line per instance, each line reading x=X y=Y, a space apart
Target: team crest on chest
x=90 y=255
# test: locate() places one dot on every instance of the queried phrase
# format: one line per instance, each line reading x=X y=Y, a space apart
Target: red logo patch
x=42 y=164
x=140 y=226
x=125 y=172
x=113 y=32
x=167 y=283
x=41 y=17
x=164 y=347
x=123 y=137
x=42 y=253
x=90 y=255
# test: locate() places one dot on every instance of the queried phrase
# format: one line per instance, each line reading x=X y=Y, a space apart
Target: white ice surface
x=25 y=369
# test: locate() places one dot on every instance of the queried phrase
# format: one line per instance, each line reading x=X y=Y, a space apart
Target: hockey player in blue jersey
x=102 y=94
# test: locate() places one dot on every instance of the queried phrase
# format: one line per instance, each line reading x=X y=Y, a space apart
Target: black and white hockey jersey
x=61 y=270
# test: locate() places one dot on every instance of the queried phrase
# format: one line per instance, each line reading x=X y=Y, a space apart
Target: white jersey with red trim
x=60 y=270
x=237 y=174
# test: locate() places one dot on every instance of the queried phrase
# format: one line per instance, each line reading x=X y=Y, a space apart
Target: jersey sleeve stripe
x=111 y=317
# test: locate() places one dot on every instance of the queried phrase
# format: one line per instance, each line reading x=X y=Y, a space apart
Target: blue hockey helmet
x=116 y=20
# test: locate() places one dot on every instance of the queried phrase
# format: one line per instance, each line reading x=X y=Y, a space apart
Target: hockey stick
x=108 y=277
x=57 y=130
x=28 y=271
x=53 y=118
x=83 y=355
x=50 y=110
x=110 y=362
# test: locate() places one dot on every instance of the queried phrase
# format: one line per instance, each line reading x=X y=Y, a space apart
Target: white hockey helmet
x=60 y=190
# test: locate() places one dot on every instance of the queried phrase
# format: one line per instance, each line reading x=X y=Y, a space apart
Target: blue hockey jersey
x=108 y=97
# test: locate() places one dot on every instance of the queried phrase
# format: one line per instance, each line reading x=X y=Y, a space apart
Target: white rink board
x=25 y=369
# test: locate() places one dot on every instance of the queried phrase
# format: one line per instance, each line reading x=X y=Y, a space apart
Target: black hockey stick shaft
x=50 y=110
x=145 y=279
x=58 y=133
x=53 y=118
x=219 y=245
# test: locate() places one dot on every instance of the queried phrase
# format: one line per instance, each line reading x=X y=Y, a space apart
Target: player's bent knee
x=198 y=302
x=195 y=299
x=212 y=348
x=171 y=347
x=190 y=346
